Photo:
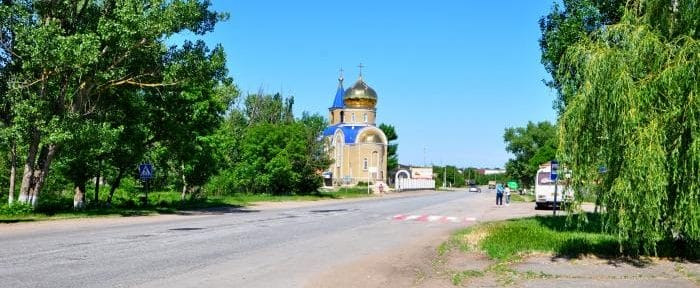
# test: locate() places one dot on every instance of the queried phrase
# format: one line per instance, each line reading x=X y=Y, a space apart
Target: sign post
x=146 y=174
x=554 y=167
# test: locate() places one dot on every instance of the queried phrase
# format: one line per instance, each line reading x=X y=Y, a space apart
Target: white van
x=544 y=189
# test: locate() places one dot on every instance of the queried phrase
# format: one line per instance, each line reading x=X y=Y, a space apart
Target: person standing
x=507 y=194
x=499 y=194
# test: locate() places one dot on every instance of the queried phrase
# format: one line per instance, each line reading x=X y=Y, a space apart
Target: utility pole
x=444 y=177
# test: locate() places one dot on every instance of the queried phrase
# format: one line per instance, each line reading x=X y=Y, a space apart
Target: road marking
x=432 y=218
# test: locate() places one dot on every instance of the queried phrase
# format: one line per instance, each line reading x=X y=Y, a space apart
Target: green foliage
x=454 y=177
x=275 y=160
x=16 y=209
x=507 y=240
x=266 y=151
x=392 y=162
x=459 y=277
x=82 y=78
x=565 y=26
x=479 y=179
x=270 y=109
x=530 y=144
x=634 y=109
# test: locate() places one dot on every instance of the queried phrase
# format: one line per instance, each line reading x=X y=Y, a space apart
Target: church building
x=357 y=147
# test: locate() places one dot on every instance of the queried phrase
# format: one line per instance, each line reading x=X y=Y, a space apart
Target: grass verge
x=507 y=240
x=160 y=202
x=515 y=197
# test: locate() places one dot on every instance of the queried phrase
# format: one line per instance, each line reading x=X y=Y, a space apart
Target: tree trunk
x=115 y=185
x=13 y=172
x=184 y=182
x=45 y=159
x=28 y=174
x=97 y=182
x=79 y=197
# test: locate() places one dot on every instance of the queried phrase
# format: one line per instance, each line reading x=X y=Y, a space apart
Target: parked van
x=544 y=189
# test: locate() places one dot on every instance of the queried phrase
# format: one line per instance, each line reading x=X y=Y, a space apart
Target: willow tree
x=635 y=110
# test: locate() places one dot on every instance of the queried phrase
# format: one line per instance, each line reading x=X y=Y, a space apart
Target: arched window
x=364 y=164
x=353 y=117
x=375 y=159
x=366 y=118
x=342 y=116
x=338 y=150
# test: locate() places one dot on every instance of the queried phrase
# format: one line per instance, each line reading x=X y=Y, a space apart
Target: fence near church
x=414 y=184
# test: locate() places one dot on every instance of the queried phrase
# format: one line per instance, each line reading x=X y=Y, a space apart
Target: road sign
x=602 y=169
x=553 y=170
x=146 y=171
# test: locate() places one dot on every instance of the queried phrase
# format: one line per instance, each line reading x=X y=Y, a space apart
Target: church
x=357 y=147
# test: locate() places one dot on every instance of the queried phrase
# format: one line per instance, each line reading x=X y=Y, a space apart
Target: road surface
x=279 y=247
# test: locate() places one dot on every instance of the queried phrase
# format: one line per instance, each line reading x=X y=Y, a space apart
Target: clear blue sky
x=450 y=75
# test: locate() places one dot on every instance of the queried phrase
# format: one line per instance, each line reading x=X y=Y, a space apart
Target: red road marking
x=433 y=218
x=422 y=218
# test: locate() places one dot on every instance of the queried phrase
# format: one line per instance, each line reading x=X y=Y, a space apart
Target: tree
x=275 y=159
x=201 y=98
x=633 y=108
x=265 y=150
x=530 y=144
x=393 y=147
x=565 y=26
x=262 y=108
x=76 y=56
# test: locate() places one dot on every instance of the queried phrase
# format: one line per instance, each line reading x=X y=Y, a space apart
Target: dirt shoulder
x=418 y=264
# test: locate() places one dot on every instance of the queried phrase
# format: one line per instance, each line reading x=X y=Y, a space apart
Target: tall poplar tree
x=77 y=59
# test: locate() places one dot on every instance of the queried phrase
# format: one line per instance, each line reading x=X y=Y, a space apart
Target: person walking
x=499 y=194
x=507 y=194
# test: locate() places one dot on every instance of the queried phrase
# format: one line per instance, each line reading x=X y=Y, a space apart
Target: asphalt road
x=241 y=248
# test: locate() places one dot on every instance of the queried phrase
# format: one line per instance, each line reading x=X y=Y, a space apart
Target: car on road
x=474 y=189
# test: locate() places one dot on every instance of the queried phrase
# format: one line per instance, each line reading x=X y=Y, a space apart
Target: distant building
x=357 y=147
x=486 y=171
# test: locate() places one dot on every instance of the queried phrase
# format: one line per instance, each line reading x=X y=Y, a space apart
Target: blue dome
x=338 y=100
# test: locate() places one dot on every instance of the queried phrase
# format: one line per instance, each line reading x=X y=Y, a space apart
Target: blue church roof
x=338 y=100
x=350 y=131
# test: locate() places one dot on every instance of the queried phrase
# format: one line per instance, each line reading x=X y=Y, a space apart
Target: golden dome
x=360 y=95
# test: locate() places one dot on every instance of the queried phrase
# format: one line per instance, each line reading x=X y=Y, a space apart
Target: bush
x=16 y=209
x=54 y=202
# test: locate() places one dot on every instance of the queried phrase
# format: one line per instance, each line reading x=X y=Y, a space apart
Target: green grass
x=515 y=197
x=507 y=240
x=128 y=203
x=459 y=277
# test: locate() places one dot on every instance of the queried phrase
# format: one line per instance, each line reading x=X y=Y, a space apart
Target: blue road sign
x=145 y=171
x=554 y=166
x=602 y=169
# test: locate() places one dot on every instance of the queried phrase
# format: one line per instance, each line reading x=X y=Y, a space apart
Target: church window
x=338 y=151
x=375 y=159
x=366 y=118
x=353 y=117
x=342 y=116
x=364 y=164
